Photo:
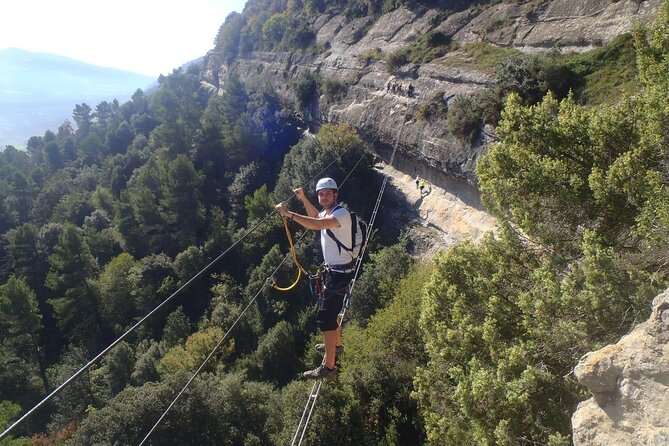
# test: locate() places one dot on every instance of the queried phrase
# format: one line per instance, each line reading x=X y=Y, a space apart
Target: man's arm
x=315 y=223
x=310 y=208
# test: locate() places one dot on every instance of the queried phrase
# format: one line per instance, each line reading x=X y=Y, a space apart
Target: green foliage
x=612 y=67
x=19 y=313
x=125 y=419
x=556 y=151
x=76 y=306
x=305 y=87
x=116 y=289
x=396 y=59
x=177 y=104
x=182 y=209
x=435 y=108
x=486 y=382
x=177 y=328
x=249 y=411
x=381 y=360
x=372 y=55
x=71 y=402
x=148 y=354
x=163 y=209
x=259 y=205
x=28 y=261
x=479 y=56
x=273 y=308
x=149 y=191
x=313 y=6
x=333 y=89
x=117 y=367
x=226 y=307
x=377 y=284
x=337 y=145
x=339 y=138
x=227 y=40
x=427 y=48
x=153 y=279
x=275 y=360
x=9 y=412
x=505 y=321
x=463 y=118
x=533 y=76
x=197 y=348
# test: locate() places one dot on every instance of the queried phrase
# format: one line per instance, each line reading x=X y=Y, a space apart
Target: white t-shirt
x=331 y=253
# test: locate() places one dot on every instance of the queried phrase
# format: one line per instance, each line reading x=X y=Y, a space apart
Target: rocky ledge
x=629 y=382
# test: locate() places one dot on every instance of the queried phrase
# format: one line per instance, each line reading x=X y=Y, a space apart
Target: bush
x=372 y=55
x=435 y=108
x=463 y=118
x=333 y=89
x=305 y=87
x=532 y=76
x=396 y=59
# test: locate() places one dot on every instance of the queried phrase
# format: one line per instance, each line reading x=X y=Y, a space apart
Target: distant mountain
x=38 y=91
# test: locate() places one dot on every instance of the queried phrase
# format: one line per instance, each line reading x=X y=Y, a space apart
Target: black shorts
x=332 y=300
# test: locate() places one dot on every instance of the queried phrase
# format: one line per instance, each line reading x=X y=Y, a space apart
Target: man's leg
x=330 y=338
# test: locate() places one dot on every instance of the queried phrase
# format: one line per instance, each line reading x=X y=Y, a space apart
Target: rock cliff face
x=629 y=382
x=388 y=119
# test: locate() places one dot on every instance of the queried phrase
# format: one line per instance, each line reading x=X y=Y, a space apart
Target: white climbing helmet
x=326 y=183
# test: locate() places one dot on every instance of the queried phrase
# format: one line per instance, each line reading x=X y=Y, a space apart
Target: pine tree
x=71 y=267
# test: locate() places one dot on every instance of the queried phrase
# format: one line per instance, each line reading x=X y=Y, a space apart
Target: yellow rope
x=300 y=269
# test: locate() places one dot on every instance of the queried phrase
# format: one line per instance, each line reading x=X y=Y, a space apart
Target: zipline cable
x=303 y=424
x=58 y=389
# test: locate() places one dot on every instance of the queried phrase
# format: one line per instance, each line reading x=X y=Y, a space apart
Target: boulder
x=629 y=383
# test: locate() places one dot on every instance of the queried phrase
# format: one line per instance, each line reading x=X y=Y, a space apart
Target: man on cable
x=338 y=266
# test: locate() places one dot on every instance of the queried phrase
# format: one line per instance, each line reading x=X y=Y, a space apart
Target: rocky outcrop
x=629 y=382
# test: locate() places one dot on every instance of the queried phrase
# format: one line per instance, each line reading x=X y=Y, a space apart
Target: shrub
x=463 y=117
x=305 y=87
x=333 y=89
x=372 y=55
x=396 y=59
x=435 y=108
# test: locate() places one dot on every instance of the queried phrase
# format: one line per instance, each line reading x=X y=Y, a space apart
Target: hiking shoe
x=320 y=348
x=321 y=372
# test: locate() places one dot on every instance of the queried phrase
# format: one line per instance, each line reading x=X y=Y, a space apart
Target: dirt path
x=435 y=220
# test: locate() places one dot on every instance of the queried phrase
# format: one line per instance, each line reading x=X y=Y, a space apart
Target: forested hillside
x=104 y=222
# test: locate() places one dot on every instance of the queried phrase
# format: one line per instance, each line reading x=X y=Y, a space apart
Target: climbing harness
x=316 y=284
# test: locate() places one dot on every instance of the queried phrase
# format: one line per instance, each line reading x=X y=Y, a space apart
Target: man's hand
x=299 y=193
x=282 y=209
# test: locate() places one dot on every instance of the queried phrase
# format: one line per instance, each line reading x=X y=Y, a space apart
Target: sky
x=150 y=37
